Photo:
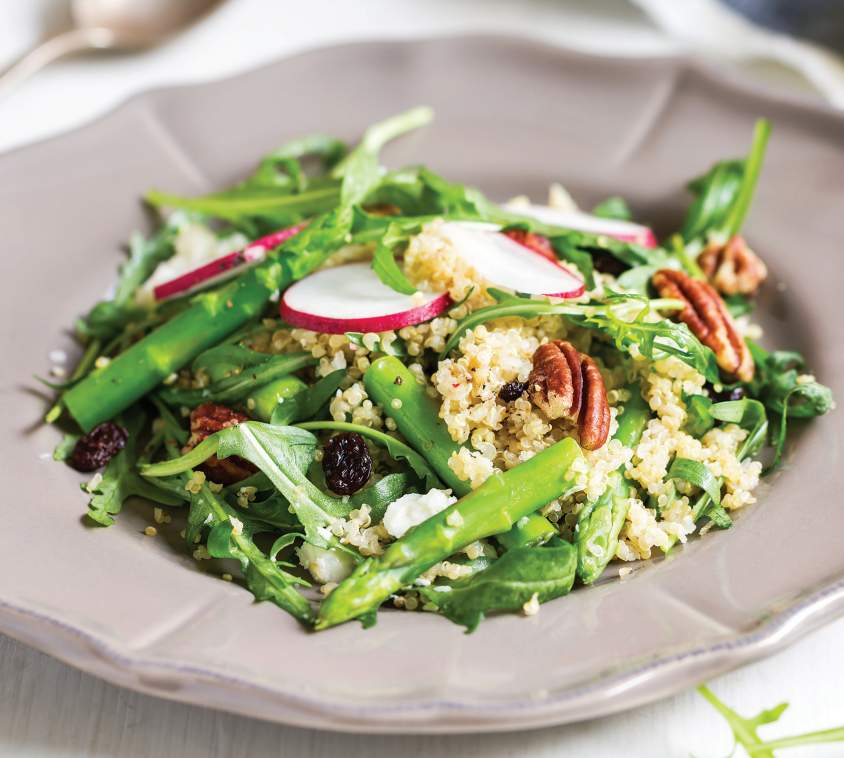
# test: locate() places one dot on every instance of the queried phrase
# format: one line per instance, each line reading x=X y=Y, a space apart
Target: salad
x=384 y=384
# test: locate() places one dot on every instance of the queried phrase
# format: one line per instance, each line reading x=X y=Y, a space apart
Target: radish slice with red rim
x=224 y=267
x=626 y=231
x=351 y=298
x=508 y=263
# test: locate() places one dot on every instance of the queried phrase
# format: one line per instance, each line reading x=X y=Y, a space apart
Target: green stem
x=752 y=167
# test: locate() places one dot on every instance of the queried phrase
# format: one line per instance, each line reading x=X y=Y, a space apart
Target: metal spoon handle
x=67 y=42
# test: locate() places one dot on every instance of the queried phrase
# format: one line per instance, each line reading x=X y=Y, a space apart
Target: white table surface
x=50 y=710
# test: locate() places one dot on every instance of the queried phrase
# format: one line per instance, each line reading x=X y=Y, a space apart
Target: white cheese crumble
x=326 y=566
x=410 y=510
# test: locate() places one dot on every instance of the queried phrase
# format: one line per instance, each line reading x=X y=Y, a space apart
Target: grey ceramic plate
x=512 y=117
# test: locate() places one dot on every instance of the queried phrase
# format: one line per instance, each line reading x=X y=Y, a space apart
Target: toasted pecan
x=536 y=242
x=205 y=421
x=707 y=317
x=565 y=383
x=733 y=269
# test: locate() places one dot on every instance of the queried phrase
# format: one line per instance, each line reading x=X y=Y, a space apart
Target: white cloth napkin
x=708 y=27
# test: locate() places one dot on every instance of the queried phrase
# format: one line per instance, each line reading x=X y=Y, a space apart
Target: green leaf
x=718 y=515
x=620 y=317
x=613 y=207
x=121 y=479
x=696 y=473
x=108 y=317
x=698 y=418
x=264 y=577
x=397 y=450
x=269 y=448
x=65 y=447
x=359 y=169
x=509 y=583
x=384 y=263
x=744 y=729
x=723 y=195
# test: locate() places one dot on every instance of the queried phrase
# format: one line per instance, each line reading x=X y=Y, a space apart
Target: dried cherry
x=98 y=447
x=512 y=391
x=346 y=463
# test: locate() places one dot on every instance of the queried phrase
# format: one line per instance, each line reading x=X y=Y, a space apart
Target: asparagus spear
x=391 y=384
x=491 y=509
x=214 y=315
x=266 y=399
x=599 y=523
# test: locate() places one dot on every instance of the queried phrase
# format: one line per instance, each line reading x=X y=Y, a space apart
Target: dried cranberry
x=347 y=463
x=512 y=391
x=98 y=447
x=607 y=263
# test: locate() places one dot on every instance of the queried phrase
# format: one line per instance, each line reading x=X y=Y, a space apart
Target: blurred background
x=49 y=710
x=242 y=34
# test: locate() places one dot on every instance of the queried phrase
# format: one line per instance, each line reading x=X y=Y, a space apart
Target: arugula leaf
x=234 y=388
x=718 y=515
x=384 y=264
x=397 y=450
x=359 y=169
x=745 y=729
x=65 y=447
x=121 y=479
x=698 y=418
x=696 y=473
x=264 y=577
x=611 y=318
x=268 y=447
x=613 y=207
x=779 y=385
x=723 y=195
x=513 y=580
x=108 y=317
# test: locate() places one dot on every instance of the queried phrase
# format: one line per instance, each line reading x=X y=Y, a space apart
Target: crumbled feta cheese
x=531 y=607
x=410 y=510
x=326 y=566
x=237 y=525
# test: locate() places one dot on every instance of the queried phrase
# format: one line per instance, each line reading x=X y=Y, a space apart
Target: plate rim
x=195 y=685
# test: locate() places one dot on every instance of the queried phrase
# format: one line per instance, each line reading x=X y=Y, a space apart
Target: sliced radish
x=351 y=298
x=508 y=263
x=224 y=267
x=626 y=231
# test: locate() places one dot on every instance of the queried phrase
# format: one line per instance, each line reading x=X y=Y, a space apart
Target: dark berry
x=98 y=447
x=607 y=263
x=737 y=393
x=347 y=463
x=512 y=391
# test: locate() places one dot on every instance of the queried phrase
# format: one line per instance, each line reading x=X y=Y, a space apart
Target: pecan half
x=565 y=383
x=733 y=269
x=707 y=317
x=536 y=242
x=204 y=421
